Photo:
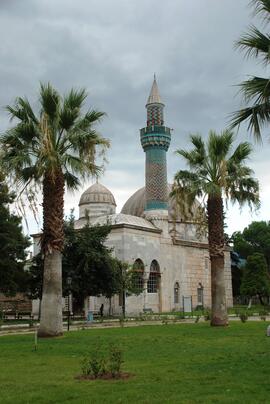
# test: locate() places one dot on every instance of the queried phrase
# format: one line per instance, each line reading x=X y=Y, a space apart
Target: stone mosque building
x=172 y=262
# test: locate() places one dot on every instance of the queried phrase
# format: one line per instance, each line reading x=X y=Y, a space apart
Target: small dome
x=97 y=193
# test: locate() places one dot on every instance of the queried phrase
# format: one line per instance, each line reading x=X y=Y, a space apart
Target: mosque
x=150 y=234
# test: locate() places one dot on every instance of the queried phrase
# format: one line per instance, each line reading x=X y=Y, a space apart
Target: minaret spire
x=154 y=96
x=155 y=140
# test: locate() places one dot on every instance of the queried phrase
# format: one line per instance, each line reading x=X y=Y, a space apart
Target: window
x=137 y=276
x=154 y=278
x=200 y=295
x=176 y=292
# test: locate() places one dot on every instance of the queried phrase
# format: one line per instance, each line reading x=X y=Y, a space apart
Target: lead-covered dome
x=136 y=203
x=97 y=193
x=96 y=201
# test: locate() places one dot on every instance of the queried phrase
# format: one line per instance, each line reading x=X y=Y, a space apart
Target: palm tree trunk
x=216 y=251
x=51 y=322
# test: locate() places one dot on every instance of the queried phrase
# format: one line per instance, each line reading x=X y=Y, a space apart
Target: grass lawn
x=180 y=363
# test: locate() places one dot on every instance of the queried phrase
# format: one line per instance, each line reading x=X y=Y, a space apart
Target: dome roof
x=97 y=193
x=121 y=219
x=136 y=203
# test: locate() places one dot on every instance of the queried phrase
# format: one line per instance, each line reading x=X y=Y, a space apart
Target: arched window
x=176 y=292
x=154 y=277
x=137 y=275
x=200 y=295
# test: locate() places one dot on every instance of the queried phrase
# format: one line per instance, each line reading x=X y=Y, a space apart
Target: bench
x=17 y=315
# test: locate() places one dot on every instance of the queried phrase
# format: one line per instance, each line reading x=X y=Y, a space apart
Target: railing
x=156 y=129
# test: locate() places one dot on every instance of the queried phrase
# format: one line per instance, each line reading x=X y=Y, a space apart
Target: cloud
x=113 y=48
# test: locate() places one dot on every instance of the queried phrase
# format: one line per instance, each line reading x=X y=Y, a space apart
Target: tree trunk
x=51 y=304
x=261 y=300
x=51 y=322
x=219 y=315
x=249 y=303
x=124 y=304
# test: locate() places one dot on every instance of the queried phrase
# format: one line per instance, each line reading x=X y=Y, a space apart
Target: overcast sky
x=112 y=48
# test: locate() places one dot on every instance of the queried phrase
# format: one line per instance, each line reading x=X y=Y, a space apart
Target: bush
x=263 y=314
x=243 y=317
x=207 y=315
x=115 y=360
x=197 y=319
x=94 y=364
x=97 y=363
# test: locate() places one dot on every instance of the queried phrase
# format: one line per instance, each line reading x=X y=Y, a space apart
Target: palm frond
x=255 y=44
x=68 y=117
x=50 y=101
x=241 y=153
x=75 y=99
x=72 y=181
x=246 y=190
x=256 y=87
x=219 y=145
x=256 y=116
x=221 y=173
x=262 y=7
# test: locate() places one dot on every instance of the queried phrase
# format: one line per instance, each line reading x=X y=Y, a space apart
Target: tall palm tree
x=52 y=149
x=217 y=172
x=256 y=90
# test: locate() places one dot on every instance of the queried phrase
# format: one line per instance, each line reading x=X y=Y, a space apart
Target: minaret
x=155 y=140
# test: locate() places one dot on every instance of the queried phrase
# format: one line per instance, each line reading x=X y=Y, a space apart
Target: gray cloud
x=113 y=48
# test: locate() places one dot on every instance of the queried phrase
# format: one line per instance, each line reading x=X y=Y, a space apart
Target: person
x=101 y=310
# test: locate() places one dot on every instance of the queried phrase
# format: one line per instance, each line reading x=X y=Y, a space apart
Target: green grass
x=182 y=363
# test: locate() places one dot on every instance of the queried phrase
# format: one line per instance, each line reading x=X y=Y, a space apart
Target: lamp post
x=69 y=280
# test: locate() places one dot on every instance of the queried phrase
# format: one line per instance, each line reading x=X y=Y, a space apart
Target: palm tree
x=53 y=149
x=256 y=90
x=216 y=173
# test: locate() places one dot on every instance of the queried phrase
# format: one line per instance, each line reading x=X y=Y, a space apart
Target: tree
x=254 y=239
x=125 y=282
x=237 y=264
x=256 y=90
x=52 y=149
x=13 y=245
x=216 y=173
x=256 y=279
x=88 y=261
x=85 y=259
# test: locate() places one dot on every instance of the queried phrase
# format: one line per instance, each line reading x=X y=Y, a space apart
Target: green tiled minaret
x=155 y=140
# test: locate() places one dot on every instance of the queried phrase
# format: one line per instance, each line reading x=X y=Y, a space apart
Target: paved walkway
x=25 y=329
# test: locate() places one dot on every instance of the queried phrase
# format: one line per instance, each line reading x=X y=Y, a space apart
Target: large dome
x=136 y=203
x=97 y=193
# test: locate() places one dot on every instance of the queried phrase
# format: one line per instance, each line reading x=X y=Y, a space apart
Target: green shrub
x=94 y=364
x=263 y=313
x=243 y=317
x=115 y=360
x=98 y=363
x=207 y=315
x=197 y=319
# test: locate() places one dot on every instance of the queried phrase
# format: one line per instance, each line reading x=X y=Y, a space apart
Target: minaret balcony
x=155 y=135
